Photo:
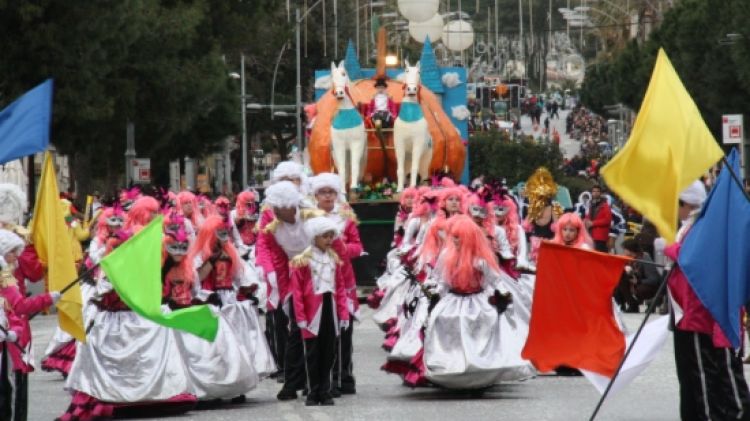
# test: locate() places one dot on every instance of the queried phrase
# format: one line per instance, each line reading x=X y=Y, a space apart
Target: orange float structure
x=449 y=151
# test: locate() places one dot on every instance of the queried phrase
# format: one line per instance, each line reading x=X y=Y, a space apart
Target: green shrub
x=495 y=155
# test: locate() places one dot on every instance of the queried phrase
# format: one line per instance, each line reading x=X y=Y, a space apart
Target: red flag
x=572 y=319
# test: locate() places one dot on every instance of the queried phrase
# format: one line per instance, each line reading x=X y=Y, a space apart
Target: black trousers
x=320 y=352
x=343 y=369
x=14 y=390
x=712 y=384
x=601 y=246
x=277 y=334
x=294 y=357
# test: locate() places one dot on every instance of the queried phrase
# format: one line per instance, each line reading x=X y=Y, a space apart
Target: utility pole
x=243 y=100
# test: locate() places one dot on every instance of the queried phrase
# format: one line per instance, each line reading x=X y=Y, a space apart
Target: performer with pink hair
x=244 y=217
x=571 y=231
x=187 y=206
x=237 y=374
x=144 y=209
x=475 y=311
x=406 y=204
x=510 y=237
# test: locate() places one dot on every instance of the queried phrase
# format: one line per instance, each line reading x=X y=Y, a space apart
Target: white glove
x=2 y=336
x=11 y=337
x=628 y=269
x=55 y=295
x=344 y=324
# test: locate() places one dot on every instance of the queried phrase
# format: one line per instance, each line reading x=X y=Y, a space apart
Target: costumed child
x=244 y=217
x=542 y=211
x=326 y=188
x=280 y=240
x=128 y=364
x=511 y=245
x=187 y=206
x=320 y=307
x=12 y=207
x=236 y=375
x=18 y=308
x=382 y=110
x=571 y=231
x=473 y=338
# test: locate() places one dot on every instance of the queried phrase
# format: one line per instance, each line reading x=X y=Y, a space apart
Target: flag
x=651 y=340
x=715 y=255
x=669 y=148
x=52 y=242
x=25 y=124
x=572 y=316
x=134 y=269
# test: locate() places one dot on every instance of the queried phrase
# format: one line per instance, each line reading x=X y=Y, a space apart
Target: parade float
x=427 y=139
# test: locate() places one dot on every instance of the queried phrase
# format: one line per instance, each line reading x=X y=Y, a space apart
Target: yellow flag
x=669 y=148
x=53 y=245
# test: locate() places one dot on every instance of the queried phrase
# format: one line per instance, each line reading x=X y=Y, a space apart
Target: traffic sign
x=141 y=170
x=732 y=129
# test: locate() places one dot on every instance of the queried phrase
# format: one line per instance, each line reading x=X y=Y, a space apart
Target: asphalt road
x=653 y=396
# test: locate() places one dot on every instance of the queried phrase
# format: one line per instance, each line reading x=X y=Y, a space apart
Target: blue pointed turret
x=351 y=62
x=429 y=70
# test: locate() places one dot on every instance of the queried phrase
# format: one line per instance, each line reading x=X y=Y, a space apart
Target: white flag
x=649 y=343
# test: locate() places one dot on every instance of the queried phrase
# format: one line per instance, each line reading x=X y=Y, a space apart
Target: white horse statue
x=347 y=130
x=411 y=137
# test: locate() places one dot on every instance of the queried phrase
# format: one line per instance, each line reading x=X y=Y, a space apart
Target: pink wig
x=488 y=223
x=511 y=221
x=207 y=239
x=447 y=193
x=245 y=203
x=186 y=264
x=574 y=220
x=409 y=192
x=183 y=198
x=424 y=203
x=141 y=213
x=464 y=246
x=222 y=206
x=102 y=228
x=205 y=207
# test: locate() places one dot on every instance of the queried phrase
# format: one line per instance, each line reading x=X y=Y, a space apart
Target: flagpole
x=735 y=177
x=650 y=310
x=71 y=285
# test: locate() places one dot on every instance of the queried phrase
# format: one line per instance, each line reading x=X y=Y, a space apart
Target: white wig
x=320 y=225
x=283 y=194
x=326 y=179
x=287 y=169
x=12 y=204
x=695 y=194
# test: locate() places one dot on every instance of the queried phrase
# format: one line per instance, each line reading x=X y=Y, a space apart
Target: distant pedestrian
x=599 y=219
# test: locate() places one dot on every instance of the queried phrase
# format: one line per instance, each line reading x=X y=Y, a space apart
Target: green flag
x=134 y=269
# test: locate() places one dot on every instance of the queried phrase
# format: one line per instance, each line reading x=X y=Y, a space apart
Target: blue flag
x=715 y=256
x=25 y=124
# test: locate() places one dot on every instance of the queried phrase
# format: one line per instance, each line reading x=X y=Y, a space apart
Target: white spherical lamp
x=418 y=10
x=458 y=35
x=432 y=28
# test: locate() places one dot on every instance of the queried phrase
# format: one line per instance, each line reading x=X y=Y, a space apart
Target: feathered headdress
x=540 y=190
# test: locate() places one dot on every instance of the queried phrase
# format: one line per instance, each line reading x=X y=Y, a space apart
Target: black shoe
x=327 y=401
x=240 y=399
x=286 y=395
x=348 y=389
x=280 y=378
x=305 y=392
x=312 y=401
x=335 y=392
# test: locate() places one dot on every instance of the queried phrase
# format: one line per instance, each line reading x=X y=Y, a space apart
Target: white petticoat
x=395 y=294
x=219 y=369
x=468 y=345
x=243 y=318
x=127 y=358
x=410 y=326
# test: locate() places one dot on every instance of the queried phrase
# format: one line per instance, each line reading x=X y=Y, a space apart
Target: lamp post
x=244 y=121
x=298 y=89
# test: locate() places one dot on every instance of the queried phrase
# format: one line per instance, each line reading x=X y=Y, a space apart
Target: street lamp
x=243 y=97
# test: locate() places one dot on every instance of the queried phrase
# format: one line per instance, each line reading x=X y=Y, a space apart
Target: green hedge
x=495 y=155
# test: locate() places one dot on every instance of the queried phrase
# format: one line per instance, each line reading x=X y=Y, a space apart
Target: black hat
x=380 y=82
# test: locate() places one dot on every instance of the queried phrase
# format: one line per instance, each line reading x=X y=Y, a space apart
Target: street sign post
x=141 y=170
x=732 y=129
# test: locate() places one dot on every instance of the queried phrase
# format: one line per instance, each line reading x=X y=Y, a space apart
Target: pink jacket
x=270 y=257
x=308 y=305
x=695 y=316
x=29 y=267
x=18 y=317
x=348 y=246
